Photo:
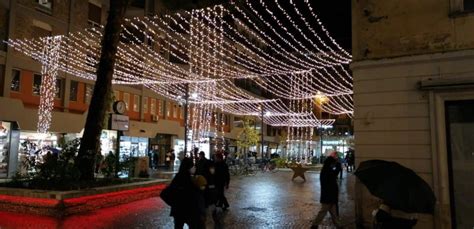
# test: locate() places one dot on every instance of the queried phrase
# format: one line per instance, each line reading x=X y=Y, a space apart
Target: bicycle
x=241 y=168
x=269 y=166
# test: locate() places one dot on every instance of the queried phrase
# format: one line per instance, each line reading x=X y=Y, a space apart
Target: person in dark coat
x=189 y=206
x=202 y=165
x=338 y=166
x=211 y=191
x=329 y=192
x=155 y=159
x=350 y=160
x=222 y=180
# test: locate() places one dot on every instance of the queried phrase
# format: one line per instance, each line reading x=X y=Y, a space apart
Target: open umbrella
x=399 y=187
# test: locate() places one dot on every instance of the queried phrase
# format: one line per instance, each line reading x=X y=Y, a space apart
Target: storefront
x=9 y=141
x=203 y=145
x=159 y=146
x=339 y=144
x=133 y=147
x=108 y=142
x=34 y=146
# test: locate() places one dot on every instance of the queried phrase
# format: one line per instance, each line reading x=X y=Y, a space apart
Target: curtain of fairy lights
x=49 y=73
x=213 y=47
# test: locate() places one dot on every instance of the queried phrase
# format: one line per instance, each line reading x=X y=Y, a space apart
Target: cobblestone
x=267 y=200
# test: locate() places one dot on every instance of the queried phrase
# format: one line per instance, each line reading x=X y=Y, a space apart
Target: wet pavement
x=267 y=200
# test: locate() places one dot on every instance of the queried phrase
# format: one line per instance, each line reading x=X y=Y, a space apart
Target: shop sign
x=119 y=122
x=333 y=142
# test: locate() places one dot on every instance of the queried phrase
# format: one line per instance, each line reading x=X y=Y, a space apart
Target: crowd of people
x=197 y=192
x=199 y=189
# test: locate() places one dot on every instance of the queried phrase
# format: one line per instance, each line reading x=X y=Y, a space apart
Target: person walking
x=155 y=159
x=202 y=165
x=168 y=159
x=222 y=181
x=172 y=160
x=351 y=160
x=188 y=205
x=211 y=196
x=339 y=167
x=329 y=193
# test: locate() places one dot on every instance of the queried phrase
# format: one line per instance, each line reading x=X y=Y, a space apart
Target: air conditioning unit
x=154 y=118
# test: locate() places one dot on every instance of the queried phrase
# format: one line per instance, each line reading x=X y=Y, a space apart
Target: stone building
x=414 y=102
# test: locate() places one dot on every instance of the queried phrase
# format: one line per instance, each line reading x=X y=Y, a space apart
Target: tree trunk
x=90 y=142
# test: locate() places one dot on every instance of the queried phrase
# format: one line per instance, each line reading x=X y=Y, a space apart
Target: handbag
x=168 y=195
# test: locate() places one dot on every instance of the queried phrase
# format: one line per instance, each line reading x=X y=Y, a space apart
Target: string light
x=49 y=73
x=218 y=52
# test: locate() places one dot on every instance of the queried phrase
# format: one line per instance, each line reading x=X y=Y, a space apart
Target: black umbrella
x=399 y=187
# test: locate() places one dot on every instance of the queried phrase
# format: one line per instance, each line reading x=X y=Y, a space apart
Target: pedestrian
x=329 y=192
x=351 y=160
x=188 y=201
x=222 y=181
x=155 y=159
x=201 y=183
x=211 y=196
x=167 y=159
x=202 y=165
x=339 y=168
x=346 y=160
x=172 y=160
x=211 y=191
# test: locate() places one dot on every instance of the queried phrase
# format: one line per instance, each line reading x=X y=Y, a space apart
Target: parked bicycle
x=268 y=166
x=240 y=167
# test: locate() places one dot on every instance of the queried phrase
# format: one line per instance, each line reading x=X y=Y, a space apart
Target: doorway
x=460 y=154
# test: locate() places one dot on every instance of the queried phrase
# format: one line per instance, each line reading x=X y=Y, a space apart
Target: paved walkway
x=267 y=200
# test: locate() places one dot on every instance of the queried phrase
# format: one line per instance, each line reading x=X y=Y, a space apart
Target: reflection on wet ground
x=267 y=200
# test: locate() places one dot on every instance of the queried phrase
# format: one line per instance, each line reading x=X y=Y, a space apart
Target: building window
x=45 y=5
x=73 y=90
x=153 y=106
x=136 y=103
x=145 y=105
x=41 y=29
x=88 y=94
x=94 y=15
x=126 y=99
x=59 y=88
x=15 y=85
x=468 y=5
x=168 y=109
x=116 y=95
x=175 y=111
x=160 y=108
x=36 y=84
x=460 y=6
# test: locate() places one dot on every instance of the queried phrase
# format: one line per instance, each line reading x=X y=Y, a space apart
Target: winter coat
x=329 y=188
x=190 y=203
x=210 y=194
x=202 y=168
x=222 y=176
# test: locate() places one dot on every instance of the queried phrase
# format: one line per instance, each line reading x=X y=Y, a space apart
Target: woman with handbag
x=185 y=198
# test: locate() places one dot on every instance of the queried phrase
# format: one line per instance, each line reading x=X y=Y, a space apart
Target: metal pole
x=321 y=143
x=186 y=97
x=262 y=133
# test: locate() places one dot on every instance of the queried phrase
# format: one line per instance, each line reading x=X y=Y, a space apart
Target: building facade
x=413 y=98
x=153 y=119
